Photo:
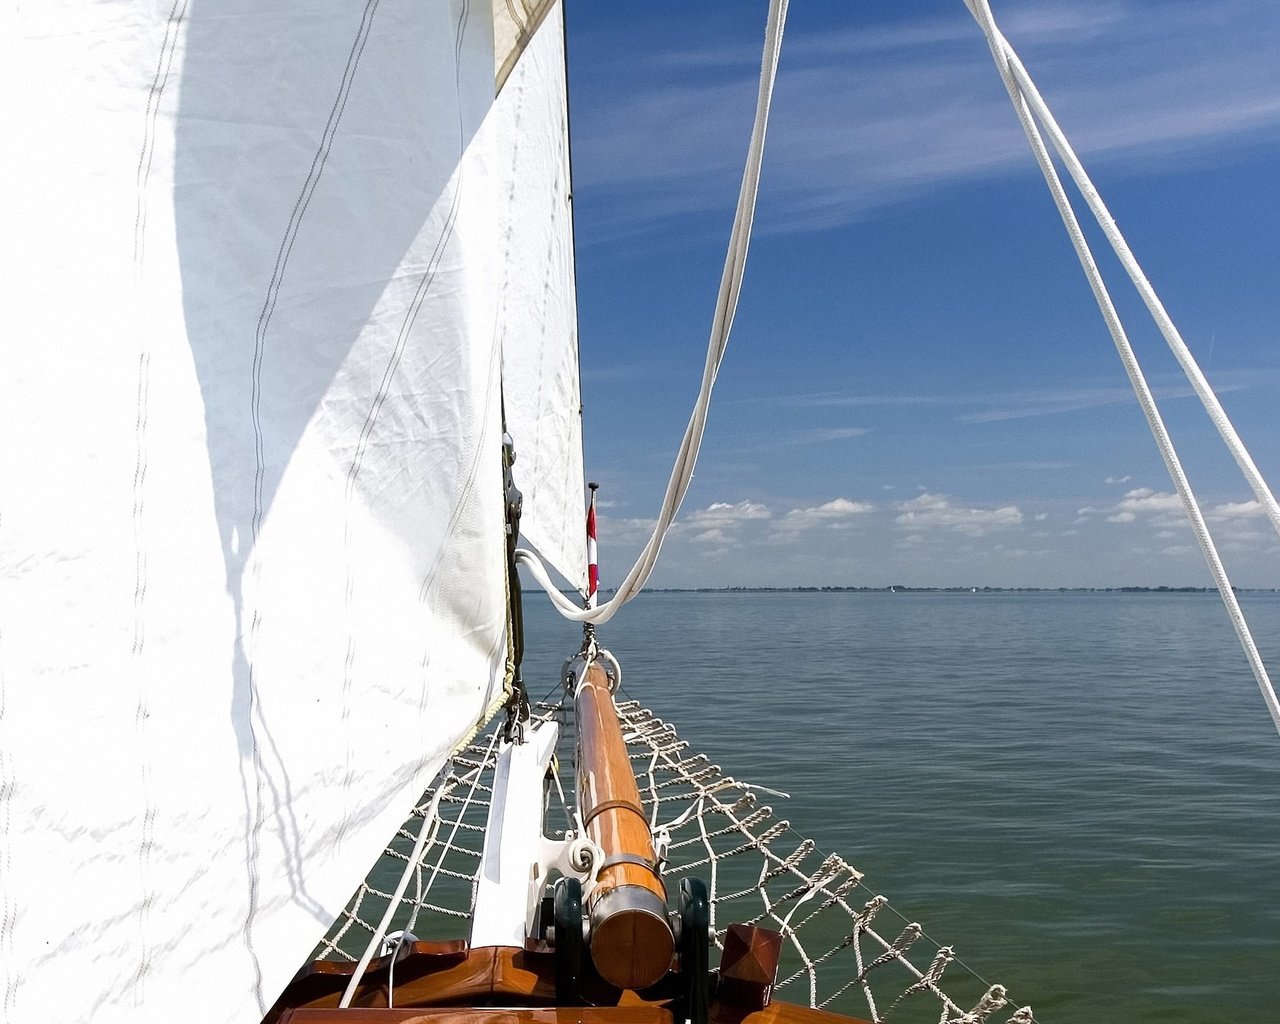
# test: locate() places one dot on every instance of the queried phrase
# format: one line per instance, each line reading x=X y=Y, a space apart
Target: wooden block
x=480 y=1015
x=749 y=966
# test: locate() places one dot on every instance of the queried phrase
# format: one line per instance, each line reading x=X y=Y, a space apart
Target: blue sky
x=919 y=388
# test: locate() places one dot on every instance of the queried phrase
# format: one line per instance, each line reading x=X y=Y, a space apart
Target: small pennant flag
x=593 y=566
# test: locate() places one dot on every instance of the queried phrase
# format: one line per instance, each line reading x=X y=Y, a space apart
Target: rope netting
x=845 y=949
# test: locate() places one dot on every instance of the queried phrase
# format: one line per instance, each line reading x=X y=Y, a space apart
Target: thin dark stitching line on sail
x=146 y=158
x=521 y=21
x=456 y=514
x=564 y=197
x=142 y=710
x=548 y=265
x=290 y=236
x=164 y=65
x=264 y=320
x=8 y=784
x=357 y=460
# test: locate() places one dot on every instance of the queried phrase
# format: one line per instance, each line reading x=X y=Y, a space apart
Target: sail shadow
x=309 y=156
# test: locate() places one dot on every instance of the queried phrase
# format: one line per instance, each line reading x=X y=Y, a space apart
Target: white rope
x=1002 y=52
x=716 y=834
x=726 y=306
x=760 y=872
x=376 y=941
x=1161 y=317
x=428 y=823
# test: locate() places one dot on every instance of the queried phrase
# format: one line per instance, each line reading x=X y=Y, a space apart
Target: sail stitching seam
x=146 y=156
x=283 y=253
x=8 y=786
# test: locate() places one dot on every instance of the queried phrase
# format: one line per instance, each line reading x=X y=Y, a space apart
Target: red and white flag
x=593 y=567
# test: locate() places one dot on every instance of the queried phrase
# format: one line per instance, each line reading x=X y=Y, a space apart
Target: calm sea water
x=1080 y=792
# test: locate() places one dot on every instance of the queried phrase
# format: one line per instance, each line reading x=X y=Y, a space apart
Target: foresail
x=538 y=312
x=251 y=521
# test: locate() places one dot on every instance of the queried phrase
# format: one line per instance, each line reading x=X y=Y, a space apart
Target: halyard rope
x=726 y=306
x=1022 y=92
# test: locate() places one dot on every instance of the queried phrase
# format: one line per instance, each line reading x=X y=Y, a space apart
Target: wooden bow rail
x=631 y=939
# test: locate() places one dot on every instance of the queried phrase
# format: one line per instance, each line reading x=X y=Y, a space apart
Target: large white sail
x=539 y=305
x=251 y=526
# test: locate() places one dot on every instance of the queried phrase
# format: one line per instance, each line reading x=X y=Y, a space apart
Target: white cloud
x=1118 y=479
x=722 y=513
x=623 y=528
x=921 y=107
x=825 y=434
x=837 y=513
x=1051 y=402
x=998 y=406
x=1160 y=508
x=1235 y=510
x=1234 y=523
x=720 y=521
x=935 y=511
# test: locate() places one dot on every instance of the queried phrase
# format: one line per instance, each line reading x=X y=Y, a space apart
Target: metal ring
x=610 y=805
x=628 y=858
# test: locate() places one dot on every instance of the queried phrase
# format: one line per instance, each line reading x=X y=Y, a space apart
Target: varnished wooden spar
x=631 y=940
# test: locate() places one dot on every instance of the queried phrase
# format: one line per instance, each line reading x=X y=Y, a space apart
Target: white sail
x=251 y=528
x=539 y=305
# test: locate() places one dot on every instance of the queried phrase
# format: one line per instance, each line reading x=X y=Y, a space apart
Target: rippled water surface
x=1080 y=792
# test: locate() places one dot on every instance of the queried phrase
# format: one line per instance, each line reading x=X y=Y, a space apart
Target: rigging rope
x=426 y=831
x=838 y=952
x=722 y=324
x=1024 y=96
x=1089 y=192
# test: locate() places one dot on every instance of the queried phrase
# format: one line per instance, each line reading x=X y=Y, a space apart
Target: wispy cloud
x=1236 y=510
x=820 y=434
x=837 y=513
x=936 y=512
x=1055 y=402
x=1236 y=521
x=1160 y=508
x=720 y=512
x=626 y=372
x=994 y=407
x=719 y=521
x=624 y=528
x=868 y=117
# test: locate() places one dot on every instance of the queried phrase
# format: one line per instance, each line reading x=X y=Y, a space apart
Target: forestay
x=252 y=575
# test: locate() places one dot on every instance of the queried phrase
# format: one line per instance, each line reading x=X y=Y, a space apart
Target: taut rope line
x=1005 y=60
